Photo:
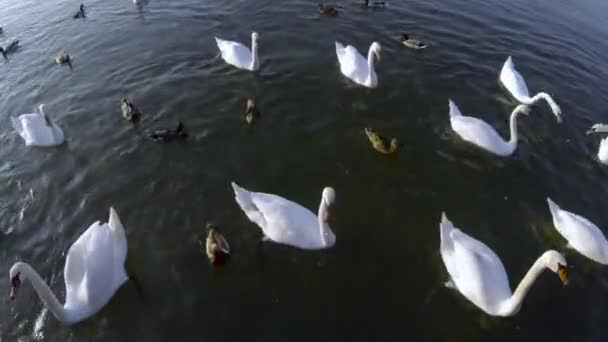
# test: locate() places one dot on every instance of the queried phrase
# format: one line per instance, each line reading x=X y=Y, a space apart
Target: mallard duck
x=80 y=13
x=166 y=135
x=368 y=3
x=63 y=58
x=412 y=43
x=9 y=49
x=216 y=246
x=380 y=143
x=328 y=10
x=129 y=111
x=251 y=111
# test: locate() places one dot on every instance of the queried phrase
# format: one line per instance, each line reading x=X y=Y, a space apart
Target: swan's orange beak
x=15 y=283
x=562 y=273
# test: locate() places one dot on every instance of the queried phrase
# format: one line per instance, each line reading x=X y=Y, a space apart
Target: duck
x=129 y=111
x=251 y=111
x=166 y=135
x=94 y=271
x=216 y=247
x=602 y=153
x=12 y=47
x=238 y=55
x=80 y=14
x=328 y=10
x=285 y=222
x=582 y=235
x=478 y=274
x=37 y=129
x=380 y=143
x=512 y=80
x=63 y=58
x=412 y=43
x=479 y=133
x=355 y=67
x=377 y=4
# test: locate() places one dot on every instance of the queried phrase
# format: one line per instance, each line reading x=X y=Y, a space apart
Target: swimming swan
x=355 y=67
x=582 y=235
x=516 y=85
x=478 y=132
x=602 y=153
x=94 y=270
x=37 y=129
x=238 y=55
x=477 y=272
x=286 y=222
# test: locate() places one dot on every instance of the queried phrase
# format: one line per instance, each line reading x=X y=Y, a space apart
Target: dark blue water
x=383 y=279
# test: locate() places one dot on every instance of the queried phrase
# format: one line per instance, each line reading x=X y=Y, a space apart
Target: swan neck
x=370 y=65
x=324 y=230
x=255 y=64
x=44 y=292
x=513 y=128
x=513 y=305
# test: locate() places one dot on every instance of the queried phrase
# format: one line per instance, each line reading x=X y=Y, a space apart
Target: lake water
x=383 y=279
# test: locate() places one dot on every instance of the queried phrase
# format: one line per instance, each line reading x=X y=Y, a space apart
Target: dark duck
x=12 y=47
x=166 y=135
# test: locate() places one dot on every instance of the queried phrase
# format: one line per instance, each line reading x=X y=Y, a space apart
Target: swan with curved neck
x=516 y=85
x=238 y=55
x=37 y=129
x=94 y=270
x=357 y=68
x=602 y=152
x=479 y=133
x=287 y=222
x=477 y=272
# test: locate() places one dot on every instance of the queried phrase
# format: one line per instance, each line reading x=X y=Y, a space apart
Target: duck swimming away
x=377 y=4
x=80 y=13
x=166 y=135
x=380 y=143
x=63 y=58
x=412 y=43
x=329 y=11
x=129 y=111
x=216 y=247
x=251 y=111
x=12 y=47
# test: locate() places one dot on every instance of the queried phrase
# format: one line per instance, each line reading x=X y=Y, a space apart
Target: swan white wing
x=35 y=131
x=288 y=222
x=582 y=234
x=513 y=81
x=475 y=269
x=352 y=64
x=478 y=132
x=89 y=269
x=235 y=53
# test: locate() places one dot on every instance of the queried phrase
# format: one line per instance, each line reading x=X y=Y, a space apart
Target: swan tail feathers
x=454 y=111
x=244 y=200
x=115 y=224
x=445 y=231
x=553 y=207
x=339 y=50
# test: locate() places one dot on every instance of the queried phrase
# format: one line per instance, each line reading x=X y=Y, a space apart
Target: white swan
x=477 y=272
x=286 y=222
x=355 y=67
x=516 y=85
x=582 y=235
x=37 y=129
x=237 y=54
x=478 y=132
x=94 y=270
x=602 y=153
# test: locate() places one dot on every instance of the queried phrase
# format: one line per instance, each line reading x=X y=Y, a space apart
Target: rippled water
x=383 y=279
